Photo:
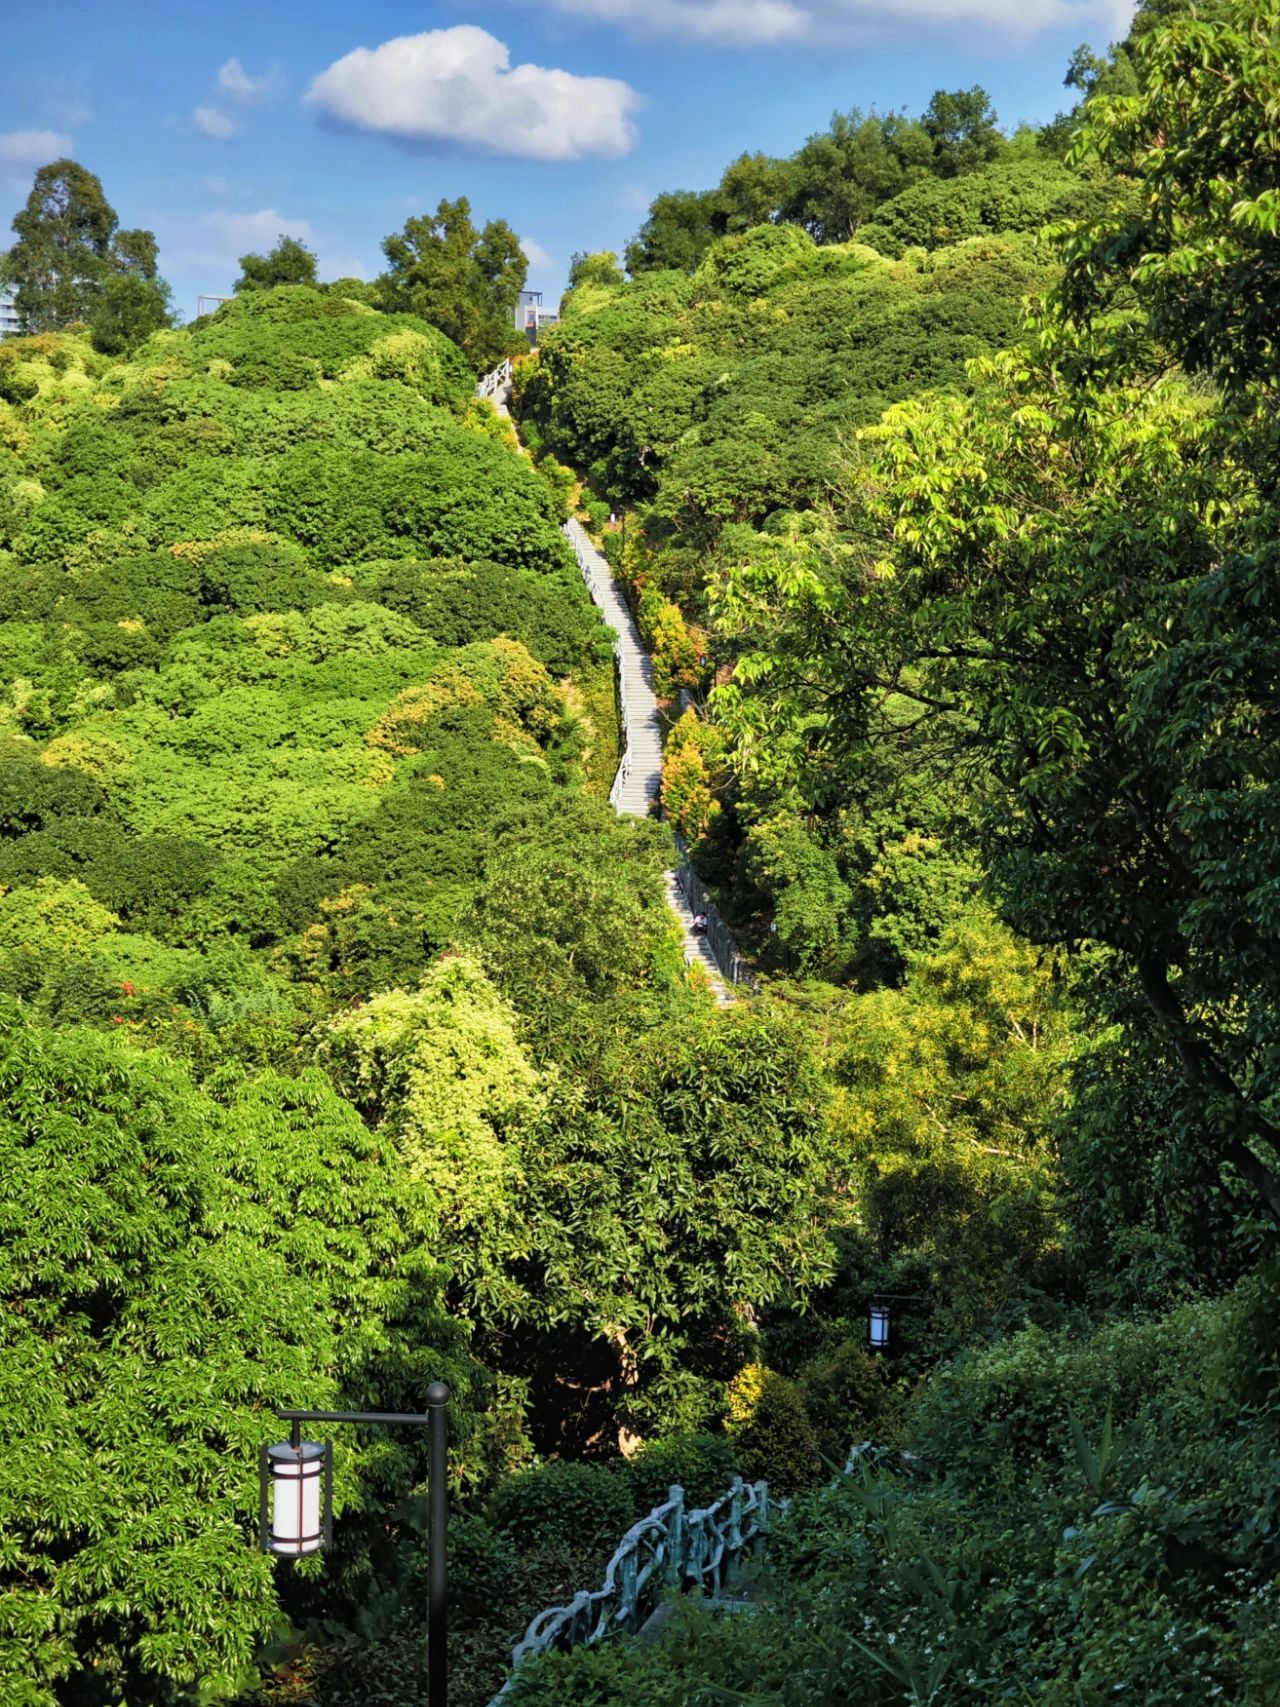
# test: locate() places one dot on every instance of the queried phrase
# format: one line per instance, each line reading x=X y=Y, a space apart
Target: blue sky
x=220 y=126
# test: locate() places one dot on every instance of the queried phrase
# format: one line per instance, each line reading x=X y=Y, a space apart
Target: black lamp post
x=296 y=1506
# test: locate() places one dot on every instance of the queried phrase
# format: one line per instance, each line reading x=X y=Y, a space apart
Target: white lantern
x=297 y=1497
x=878 y=1327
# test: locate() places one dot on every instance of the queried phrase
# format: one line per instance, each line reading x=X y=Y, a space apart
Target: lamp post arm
x=410 y=1417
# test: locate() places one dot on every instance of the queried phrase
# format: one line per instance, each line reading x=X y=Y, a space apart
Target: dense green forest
x=346 y=1041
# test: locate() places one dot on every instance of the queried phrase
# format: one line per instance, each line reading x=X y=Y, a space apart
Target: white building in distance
x=9 y=326
x=531 y=316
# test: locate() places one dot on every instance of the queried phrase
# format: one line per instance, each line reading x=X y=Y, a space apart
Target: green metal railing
x=670 y=1549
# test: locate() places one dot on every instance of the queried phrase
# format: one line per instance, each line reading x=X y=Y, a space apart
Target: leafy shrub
x=16 y=387
x=482 y=1568
x=702 y=1464
x=33 y=796
x=579 y=1505
x=771 y=1432
x=846 y=1399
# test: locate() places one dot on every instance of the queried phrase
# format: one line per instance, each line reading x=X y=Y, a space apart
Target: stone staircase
x=638 y=785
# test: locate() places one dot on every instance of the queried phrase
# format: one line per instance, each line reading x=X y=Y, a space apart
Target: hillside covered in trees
x=346 y=1042
x=978 y=639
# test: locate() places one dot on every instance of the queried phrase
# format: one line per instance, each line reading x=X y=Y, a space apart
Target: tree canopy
x=289 y=263
x=71 y=262
x=462 y=279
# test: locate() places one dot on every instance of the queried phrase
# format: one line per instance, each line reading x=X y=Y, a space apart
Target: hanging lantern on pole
x=296 y=1496
x=878 y=1327
x=296 y=1512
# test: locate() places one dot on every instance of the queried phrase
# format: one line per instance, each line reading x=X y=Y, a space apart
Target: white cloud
x=235 y=81
x=34 y=147
x=213 y=123
x=535 y=254
x=457 y=88
x=761 y=23
x=236 y=234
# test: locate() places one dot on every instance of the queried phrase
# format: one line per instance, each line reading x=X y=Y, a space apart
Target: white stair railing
x=493 y=384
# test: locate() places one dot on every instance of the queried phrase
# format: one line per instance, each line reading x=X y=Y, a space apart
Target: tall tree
x=751 y=192
x=842 y=174
x=599 y=269
x=289 y=263
x=966 y=136
x=1073 y=570
x=129 y=310
x=677 y=232
x=69 y=247
x=463 y=280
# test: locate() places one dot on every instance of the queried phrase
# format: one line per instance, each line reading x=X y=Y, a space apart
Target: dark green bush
x=249 y=578
x=482 y=1568
x=33 y=795
x=846 y=1399
x=772 y=1435
x=703 y=1465
x=562 y=1504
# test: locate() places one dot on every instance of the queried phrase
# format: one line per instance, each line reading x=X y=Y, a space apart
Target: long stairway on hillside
x=638 y=784
x=639 y=780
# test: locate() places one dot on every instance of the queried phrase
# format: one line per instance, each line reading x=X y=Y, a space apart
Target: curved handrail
x=669 y=1548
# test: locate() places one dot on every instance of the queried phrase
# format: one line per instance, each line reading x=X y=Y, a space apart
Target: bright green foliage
x=803 y=877
x=950 y=1090
x=833 y=185
x=570 y=909
x=594 y=272
x=1203 y=251
x=174 y=1266
x=338 y=997
x=1116 y=741
x=679 y=1189
x=722 y=399
x=441 y=1070
x=1021 y=195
